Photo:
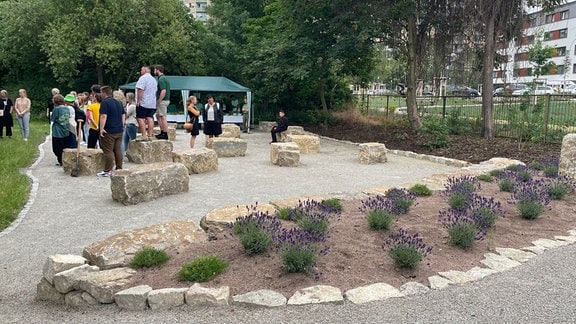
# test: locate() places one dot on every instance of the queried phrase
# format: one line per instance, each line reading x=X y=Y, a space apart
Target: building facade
x=197 y=8
x=557 y=29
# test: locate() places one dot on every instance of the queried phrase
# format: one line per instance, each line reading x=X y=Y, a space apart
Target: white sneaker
x=103 y=174
x=25 y=140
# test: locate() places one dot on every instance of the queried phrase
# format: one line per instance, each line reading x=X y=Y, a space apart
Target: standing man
x=146 y=102
x=162 y=101
x=112 y=119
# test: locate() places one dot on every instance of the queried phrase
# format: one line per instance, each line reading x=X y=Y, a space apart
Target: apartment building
x=558 y=30
x=198 y=8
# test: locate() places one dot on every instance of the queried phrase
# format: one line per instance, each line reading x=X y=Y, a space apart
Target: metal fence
x=541 y=118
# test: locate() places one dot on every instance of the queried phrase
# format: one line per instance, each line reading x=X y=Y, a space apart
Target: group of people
x=21 y=107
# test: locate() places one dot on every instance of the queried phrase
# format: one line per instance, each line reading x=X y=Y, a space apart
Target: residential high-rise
x=198 y=8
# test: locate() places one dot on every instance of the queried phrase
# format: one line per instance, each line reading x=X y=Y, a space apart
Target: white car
x=540 y=90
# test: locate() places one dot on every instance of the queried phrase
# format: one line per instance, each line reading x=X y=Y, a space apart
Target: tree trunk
x=322 y=88
x=100 y=73
x=411 y=105
x=487 y=68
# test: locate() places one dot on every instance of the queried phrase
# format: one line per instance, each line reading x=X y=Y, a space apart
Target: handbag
x=188 y=125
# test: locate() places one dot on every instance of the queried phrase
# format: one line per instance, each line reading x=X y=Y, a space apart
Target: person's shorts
x=162 y=108
x=142 y=112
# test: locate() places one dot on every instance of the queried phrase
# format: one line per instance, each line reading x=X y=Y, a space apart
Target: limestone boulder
x=171 y=132
x=103 y=285
x=285 y=154
x=163 y=299
x=227 y=146
x=47 y=292
x=567 y=165
x=144 y=151
x=219 y=219
x=118 y=250
x=371 y=153
x=198 y=295
x=60 y=262
x=134 y=298
x=296 y=130
x=91 y=161
x=197 y=160
x=266 y=126
x=231 y=130
x=306 y=143
x=147 y=182
x=317 y=295
x=264 y=297
x=67 y=280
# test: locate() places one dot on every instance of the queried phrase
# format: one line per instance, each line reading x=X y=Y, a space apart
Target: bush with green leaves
x=463 y=227
x=148 y=257
x=485 y=177
x=401 y=200
x=531 y=198
x=406 y=250
x=299 y=250
x=551 y=171
x=202 y=269
x=496 y=173
x=434 y=133
x=256 y=231
x=459 y=191
x=332 y=204
x=381 y=219
x=506 y=185
x=559 y=187
x=420 y=190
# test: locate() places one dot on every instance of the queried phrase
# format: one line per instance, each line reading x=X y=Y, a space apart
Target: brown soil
x=356 y=256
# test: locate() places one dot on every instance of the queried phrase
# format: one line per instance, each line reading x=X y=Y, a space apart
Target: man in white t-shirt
x=146 y=102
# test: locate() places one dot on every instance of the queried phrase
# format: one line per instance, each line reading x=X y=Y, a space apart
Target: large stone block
x=197 y=160
x=118 y=250
x=67 y=280
x=143 y=151
x=171 y=132
x=163 y=299
x=567 y=165
x=91 y=161
x=218 y=219
x=60 y=262
x=198 y=295
x=230 y=130
x=306 y=143
x=227 y=146
x=103 y=285
x=149 y=181
x=45 y=291
x=371 y=153
x=133 y=299
x=296 y=130
x=285 y=154
x=266 y=126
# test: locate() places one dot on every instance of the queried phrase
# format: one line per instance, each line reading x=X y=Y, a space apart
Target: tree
x=539 y=56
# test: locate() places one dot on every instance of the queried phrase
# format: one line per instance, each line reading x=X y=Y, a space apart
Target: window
x=564 y=15
x=574 y=68
x=563 y=33
x=549 y=18
x=559 y=51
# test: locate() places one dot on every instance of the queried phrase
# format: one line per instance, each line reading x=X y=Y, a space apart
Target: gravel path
x=65 y=214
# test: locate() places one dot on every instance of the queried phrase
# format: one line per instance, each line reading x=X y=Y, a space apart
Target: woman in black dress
x=193 y=115
x=213 y=118
x=6 y=108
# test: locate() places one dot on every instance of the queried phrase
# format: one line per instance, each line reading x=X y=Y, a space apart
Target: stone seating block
x=306 y=143
x=285 y=154
x=296 y=130
x=567 y=164
x=227 y=146
x=171 y=132
x=143 y=151
x=148 y=181
x=231 y=130
x=197 y=160
x=266 y=126
x=91 y=161
x=371 y=153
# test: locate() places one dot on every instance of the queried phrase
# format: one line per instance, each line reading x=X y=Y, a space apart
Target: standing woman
x=6 y=109
x=22 y=106
x=131 y=122
x=213 y=118
x=193 y=114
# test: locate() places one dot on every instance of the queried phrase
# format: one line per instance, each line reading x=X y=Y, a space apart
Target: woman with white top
x=22 y=106
x=213 y=118
x=131 y=123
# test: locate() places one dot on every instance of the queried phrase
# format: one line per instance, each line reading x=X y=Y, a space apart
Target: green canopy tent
x=198 y=84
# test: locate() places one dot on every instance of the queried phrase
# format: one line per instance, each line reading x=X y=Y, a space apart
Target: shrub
x=496 y=173
x=148 y=257
x=380 y=219
x=506 y=185
x=434 y=133
x=531 y=198
x=463 y=228
x=333 y=204
x=283 y=213
x=256 y=231
x=485 y=211
x=406 y=250
x=536 y=165
x=551 y=171
x=485 y=178
x=315 y=224
x=420 y=190
x=401 y=200
x=559 y=187
x=460 y=190
x=299 y=250
x=513 y=167
x=202 y=269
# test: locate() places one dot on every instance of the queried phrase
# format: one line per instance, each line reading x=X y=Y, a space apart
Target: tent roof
x=198 y=83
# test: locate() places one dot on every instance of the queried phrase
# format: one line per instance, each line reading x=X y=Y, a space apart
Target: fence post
x=387 y=105
x=367 y=103
x=546 y=116
x=443 y=107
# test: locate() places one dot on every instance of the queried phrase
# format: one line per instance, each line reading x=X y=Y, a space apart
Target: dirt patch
x=356 y=256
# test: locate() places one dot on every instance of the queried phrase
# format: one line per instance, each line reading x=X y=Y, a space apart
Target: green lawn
x=15 y=156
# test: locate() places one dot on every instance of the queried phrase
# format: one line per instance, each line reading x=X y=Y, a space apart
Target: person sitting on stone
x=282 y=126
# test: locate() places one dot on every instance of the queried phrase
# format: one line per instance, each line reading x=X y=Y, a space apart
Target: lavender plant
x=332 y=205
x=299 y=250
x=559 y=187
x=463 y=228
x=485 y=210
x=401 y=199
x=379 y=212
x=459 y=191
x=420 y=190
x=531 y=198
x=406 y=250
x=550 y=164
x=256 y=231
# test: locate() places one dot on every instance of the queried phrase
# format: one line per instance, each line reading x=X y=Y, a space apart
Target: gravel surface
x=65 y=214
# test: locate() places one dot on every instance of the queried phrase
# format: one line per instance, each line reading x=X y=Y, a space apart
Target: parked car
x=540 y=90
x=570 y=90
x=498 y=92
x=462 y=91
